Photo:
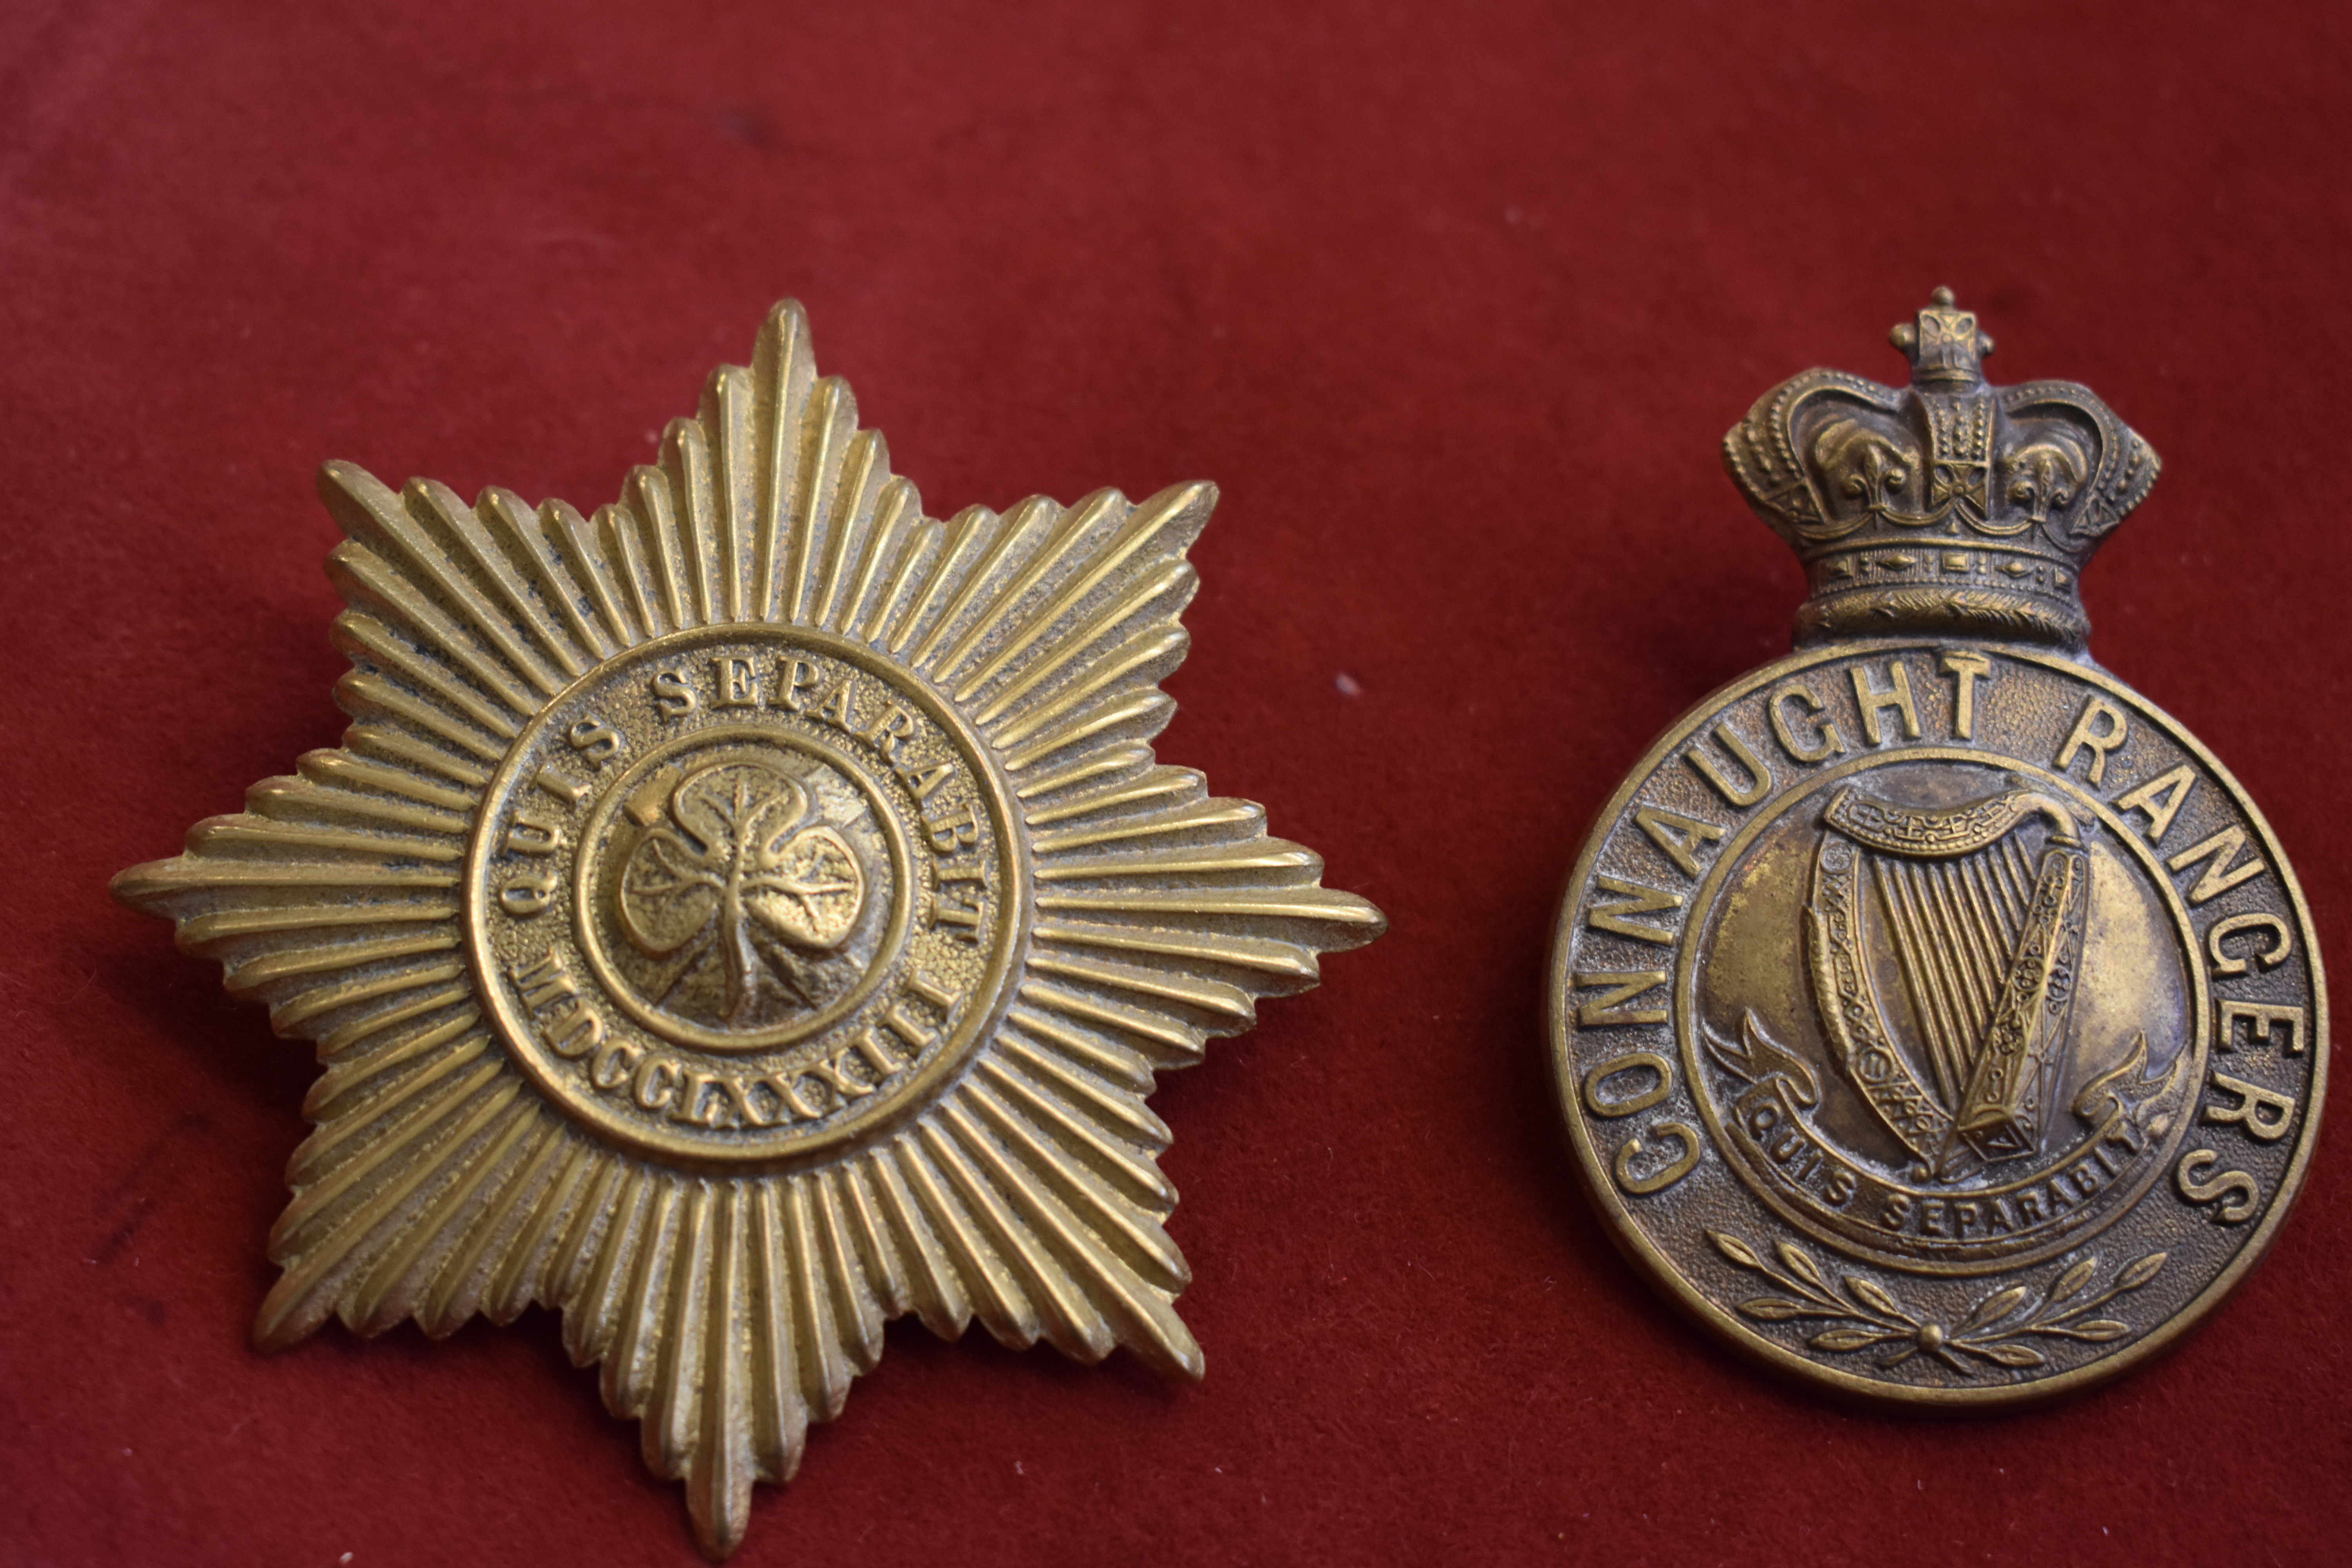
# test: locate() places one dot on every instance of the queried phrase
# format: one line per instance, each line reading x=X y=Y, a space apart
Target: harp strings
x=1955 y=926
x=1931 y=998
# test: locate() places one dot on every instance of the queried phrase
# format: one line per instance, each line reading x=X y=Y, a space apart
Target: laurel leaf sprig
x=1868 y=1314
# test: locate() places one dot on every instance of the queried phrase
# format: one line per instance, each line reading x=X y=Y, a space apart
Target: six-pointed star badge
x=745 y=915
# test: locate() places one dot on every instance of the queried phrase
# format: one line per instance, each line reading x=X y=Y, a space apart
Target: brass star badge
x=743 y=916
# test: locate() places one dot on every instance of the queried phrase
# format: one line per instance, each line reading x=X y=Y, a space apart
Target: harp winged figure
x=746 y=913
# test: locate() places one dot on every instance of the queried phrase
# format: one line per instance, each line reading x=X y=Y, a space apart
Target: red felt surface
x=1454 y=303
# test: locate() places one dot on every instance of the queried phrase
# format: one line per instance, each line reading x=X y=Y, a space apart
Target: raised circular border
x=1703 y=902
x=908 y=1099
x=677 y=1031
x=1647 y=1259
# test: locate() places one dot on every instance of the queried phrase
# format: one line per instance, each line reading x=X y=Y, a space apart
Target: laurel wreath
x=1995 y=1329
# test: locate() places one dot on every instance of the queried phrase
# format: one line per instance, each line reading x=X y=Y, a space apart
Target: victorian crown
x=1948 y=505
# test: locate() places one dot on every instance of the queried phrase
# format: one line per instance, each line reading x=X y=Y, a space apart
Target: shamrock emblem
x=734 y=877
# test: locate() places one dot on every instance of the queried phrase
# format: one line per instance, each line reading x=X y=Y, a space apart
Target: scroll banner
x=2128 y=1115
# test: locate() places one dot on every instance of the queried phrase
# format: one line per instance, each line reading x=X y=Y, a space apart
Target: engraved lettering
x=533 y=834
x=2234 y=1191
x=593 y=739
x=2099 y=731
x=544 y=984
x=1824 y=739
x=800 y=679
x=2260 y=1018
x=675 y=698
x=908 y=1027
x=1871 y=699
x=1666 y=1175
x=735 y=682
x=1624 y=985
x=1897 y=1210
x=549 y=962
x=2161 y=797
x=1677 y=837
x=878 y=1053
x=689 y=1107
x=615 y=1060
x=2281 y=948
x=2219 y=875
x=922 y=781
x=965 y=918
x=840 y=706
x=887 y=733
x=2265 y=1115
x=656 y=1082
x=787 y=1091
x=834 y=1073
x=1635 y=899
x=938 y=995
x=574 y=1034
x=1639 y=1100
x=528 y=893
x=739 y=1100
x=958 y=830
x=1759 y=777
x=1966 y=669
x=563 y=786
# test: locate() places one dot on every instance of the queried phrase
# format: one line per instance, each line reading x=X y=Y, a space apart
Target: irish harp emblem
x=1931 y=1012
x=1987 y=939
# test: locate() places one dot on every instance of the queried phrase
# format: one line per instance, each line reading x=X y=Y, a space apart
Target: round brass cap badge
x=1932 y=1014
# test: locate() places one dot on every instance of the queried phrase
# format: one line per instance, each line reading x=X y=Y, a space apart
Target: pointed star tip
x=132 y=887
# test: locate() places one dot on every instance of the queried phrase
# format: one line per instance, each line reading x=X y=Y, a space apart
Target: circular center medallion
x=741 y=894
x=1892 y=1022
x=1938 y=1021
x=737 y=885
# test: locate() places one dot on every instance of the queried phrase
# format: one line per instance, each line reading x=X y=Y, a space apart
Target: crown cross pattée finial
x=1948 y=505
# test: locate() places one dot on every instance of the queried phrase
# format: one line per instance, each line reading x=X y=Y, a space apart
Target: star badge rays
x=745 y=915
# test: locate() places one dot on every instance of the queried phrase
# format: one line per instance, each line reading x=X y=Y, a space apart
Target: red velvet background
x=1454 y=303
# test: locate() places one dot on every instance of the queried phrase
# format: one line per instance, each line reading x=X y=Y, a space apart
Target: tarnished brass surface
x=1934 y=1016
x=745 y=915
